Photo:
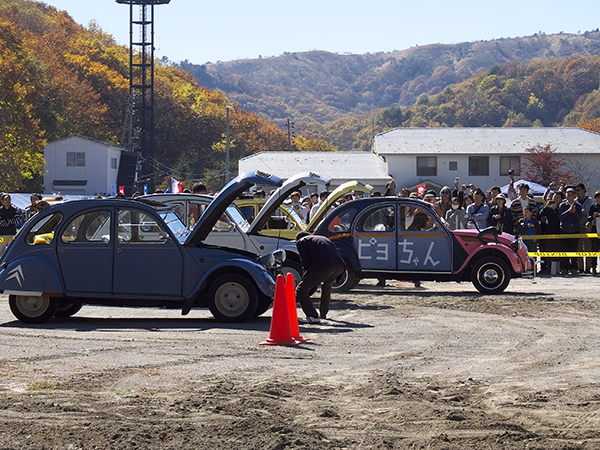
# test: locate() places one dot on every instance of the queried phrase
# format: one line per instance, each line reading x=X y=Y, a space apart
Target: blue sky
x=202 y=31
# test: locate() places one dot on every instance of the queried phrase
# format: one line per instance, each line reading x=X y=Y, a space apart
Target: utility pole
x=227 y=149
x=290 y=129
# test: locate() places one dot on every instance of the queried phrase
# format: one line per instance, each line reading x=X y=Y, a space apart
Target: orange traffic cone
x=290 y=293
x=280 y=333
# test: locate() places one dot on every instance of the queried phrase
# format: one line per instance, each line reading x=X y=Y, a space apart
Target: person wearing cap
x=10 y=217
x=479 y=211
x=569 y=212
x=445 y=203
x=500 y=215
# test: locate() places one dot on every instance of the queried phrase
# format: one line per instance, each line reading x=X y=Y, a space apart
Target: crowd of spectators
x=562 y=210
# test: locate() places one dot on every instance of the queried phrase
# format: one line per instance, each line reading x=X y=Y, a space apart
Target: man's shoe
x=309 y=320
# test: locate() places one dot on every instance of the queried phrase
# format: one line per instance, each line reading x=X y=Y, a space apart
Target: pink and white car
x=403 y=238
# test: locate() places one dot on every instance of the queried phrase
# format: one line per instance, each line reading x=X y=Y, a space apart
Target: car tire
x=490 y=275
x=294 y=268
x=263 y=307
x=30 y=309
x=68 y=309
x=232 y=298
x=346 y=281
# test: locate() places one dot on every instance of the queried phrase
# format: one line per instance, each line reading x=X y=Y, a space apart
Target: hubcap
x=232 y=299
x=33 y=306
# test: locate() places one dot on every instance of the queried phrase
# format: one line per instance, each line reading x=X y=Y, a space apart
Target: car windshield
x=237 y=216
x=175 y=224
x=292 y=212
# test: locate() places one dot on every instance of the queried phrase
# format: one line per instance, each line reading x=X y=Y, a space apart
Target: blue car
x=402 y=238
x=129 y=253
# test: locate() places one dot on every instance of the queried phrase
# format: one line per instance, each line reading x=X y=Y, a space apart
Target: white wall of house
x=451 y=150
x=68 y=172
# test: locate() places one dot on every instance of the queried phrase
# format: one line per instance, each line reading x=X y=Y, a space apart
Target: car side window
x=43 y=231
x=135 y=226
x=382 y=218
x=248 y=212
x=417 y=219
x=340 y=222
x=92 y=226
x=195 y=212
x=223 y=224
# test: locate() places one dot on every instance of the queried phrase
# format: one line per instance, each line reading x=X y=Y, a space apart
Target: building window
x=479 y=165
x=426 y=166
x=75 y=159
x=510 y=162
x=113 y=163
x=453 y=165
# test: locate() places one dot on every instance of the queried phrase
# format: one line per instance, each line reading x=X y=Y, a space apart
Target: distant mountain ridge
x=319 y=86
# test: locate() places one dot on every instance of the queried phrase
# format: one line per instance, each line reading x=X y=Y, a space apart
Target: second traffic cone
x=280 y=333
x=290 y=293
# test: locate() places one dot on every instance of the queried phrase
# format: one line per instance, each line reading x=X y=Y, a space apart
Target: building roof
x=484 y=140
x=363 y=166
x=87 y=138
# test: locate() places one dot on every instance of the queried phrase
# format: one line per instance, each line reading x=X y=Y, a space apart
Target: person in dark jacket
x=322 y=265
x=569 y=212
x=594 y=218
x=550 y=224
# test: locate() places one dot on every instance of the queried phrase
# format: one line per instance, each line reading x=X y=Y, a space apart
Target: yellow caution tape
x=559 y=236
x=6 y=238
x=563 y=254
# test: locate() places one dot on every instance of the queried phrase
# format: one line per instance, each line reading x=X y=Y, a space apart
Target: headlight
x=273 y=260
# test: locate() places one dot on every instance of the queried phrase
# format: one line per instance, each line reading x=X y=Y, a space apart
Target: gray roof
x=484 y=140
x=363 y=166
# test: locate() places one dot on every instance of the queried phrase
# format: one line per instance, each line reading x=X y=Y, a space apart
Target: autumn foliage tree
x=544 y=167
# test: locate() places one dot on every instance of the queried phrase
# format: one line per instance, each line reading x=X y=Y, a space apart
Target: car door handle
x=61 y=249
x=119 y=250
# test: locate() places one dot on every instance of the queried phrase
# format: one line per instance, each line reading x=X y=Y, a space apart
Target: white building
x=339 y=166
x=81 y=165
x=483 y=156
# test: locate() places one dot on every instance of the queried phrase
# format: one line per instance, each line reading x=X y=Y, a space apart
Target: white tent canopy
x=534 y=188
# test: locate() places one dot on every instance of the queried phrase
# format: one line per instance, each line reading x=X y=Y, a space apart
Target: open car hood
x=338 y=193
x=224 y=198
x=280 y=195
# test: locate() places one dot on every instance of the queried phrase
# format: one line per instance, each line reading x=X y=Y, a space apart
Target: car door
x=424 y=244
x=374 y=238
x=85 y=251
x=147 y=261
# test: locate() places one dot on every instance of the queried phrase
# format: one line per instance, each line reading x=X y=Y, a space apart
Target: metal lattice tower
x=140 y=123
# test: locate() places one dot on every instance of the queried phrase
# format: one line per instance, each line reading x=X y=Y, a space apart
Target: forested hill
x=319 y=86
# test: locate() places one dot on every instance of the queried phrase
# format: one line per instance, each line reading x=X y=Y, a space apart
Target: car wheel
x=294 y=268
x=263 y=307
x=232 y=298
x=68 y=309
x=346 y=281
x=30 y=309
x=490 y=275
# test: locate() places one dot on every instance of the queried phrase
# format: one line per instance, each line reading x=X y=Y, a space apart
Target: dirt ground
x=440 y=367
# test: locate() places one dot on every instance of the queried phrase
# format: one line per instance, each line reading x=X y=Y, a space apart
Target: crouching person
x=322 y=265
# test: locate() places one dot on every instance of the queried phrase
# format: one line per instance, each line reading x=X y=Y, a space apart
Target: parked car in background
x=403 y=238
x=232 y=230
x=128 y=253
x=274 y=218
